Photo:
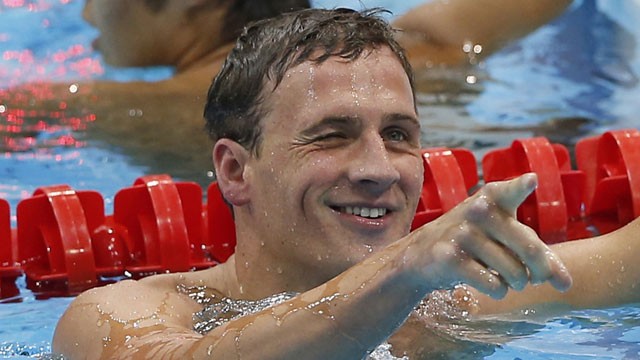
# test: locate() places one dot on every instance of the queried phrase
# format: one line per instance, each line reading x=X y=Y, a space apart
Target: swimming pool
x=536 y=87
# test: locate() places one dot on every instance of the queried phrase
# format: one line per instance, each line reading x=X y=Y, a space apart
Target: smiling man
x=317 y=150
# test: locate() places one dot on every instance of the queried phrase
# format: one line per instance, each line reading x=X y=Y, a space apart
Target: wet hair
x=268 y=49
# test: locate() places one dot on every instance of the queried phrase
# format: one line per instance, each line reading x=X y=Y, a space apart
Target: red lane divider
x=9 y=266
x=612 y=165
x=449 y=174
x=556 y=200
x=54 y=241
x=164 y=225
x=64 y=243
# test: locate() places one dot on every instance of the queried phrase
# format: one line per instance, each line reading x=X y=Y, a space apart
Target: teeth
x=365 y=212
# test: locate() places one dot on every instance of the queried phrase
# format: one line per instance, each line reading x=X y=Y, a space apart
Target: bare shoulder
x=106 y=321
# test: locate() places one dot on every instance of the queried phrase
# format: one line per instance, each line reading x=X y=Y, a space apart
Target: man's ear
x=230 y=160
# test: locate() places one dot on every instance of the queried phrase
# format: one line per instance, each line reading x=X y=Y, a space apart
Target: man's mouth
x=365 y=212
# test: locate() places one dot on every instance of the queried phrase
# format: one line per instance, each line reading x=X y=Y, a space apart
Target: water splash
x=12 y=350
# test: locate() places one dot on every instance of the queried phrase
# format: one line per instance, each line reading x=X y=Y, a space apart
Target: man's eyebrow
x=332 y=122
x=393 y=117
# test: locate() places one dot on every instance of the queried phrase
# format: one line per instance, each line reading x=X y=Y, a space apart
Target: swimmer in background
x=317 y=150
x=195 y=36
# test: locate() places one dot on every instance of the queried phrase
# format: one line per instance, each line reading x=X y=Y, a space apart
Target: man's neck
x=257 y=277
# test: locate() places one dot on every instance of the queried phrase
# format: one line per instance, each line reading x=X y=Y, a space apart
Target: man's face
x=339 y=171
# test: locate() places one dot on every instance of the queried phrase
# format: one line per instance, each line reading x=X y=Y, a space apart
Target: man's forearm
x=605 y=271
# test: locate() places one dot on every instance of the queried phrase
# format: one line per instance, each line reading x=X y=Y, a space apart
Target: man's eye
x=396 y=135
x=330 y=136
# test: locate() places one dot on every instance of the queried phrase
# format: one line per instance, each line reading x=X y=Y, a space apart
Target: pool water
x=575 y=77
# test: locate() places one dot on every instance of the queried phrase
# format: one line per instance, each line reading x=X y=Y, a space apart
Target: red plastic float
x=164 y=228
x=9 y=266
x=611 y=162
x=449 y=175
x=556 y=200
x=54 y=237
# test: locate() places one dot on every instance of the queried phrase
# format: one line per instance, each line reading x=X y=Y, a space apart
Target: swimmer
x=317 y=150
x=195 y=36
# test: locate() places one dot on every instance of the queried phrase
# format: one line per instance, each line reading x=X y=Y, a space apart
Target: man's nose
x=372 y=167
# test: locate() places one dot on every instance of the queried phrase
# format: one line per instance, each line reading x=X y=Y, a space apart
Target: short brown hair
x=265 y=51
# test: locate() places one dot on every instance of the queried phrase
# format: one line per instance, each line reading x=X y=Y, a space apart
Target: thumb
x=508 y=195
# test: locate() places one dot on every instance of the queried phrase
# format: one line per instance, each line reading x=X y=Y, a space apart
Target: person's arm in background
x=435 y=32
x=605 y=272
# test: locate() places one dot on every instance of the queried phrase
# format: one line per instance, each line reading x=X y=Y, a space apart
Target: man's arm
x=604 y=270
x=344 y=318
x=436 y=31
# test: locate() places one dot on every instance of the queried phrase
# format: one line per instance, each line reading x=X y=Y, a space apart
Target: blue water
x=583 y=66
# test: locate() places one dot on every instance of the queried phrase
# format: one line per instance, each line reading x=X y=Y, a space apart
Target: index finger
x=540 y=261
